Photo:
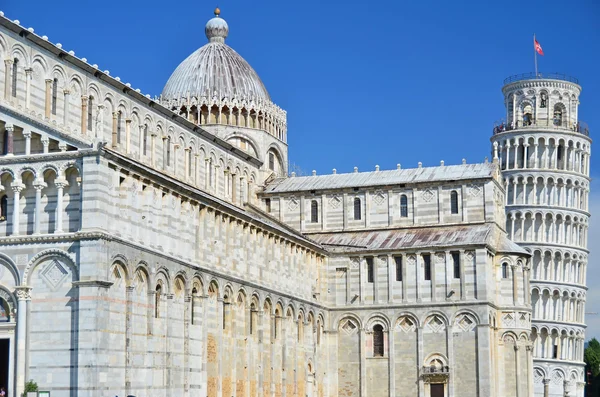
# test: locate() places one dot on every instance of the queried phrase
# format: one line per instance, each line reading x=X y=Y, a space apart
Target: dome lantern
x=216 y=29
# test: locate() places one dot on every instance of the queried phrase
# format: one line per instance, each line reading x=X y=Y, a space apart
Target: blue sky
x=363 y=83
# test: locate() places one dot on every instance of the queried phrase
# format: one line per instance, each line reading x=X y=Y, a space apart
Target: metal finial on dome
x=216 y=29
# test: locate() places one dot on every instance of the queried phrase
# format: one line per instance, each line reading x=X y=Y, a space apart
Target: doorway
x=437 y=389
x=4 y=362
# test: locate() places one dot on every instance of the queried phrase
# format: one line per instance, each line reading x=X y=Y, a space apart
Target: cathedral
x=158 y=246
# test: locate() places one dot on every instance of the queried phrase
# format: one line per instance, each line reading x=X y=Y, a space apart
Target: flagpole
x=535 y=56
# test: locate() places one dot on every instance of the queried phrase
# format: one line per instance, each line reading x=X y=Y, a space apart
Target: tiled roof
x=381 y=178
x=417 y=238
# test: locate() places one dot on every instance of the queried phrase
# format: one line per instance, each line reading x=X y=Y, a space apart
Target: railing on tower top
x=580 y=127
x=532 y=76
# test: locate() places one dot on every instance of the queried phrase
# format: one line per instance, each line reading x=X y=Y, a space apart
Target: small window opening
x=555 y=351
x=3 y=208
x=398 y=260
x=15 y=67
x=403 y=206
x=271 y=161
x=378 y=341
x=54 y=95
x=357 y=209
x=268 y=205
x=370 y=270
x=505 y=270
x=157 y=301
x=454 y=202
x=169 y=152
x=119 y=121
x=314 y=211
x=427 y=266
x=90 y=113
x=456 y=263
x=145 y=141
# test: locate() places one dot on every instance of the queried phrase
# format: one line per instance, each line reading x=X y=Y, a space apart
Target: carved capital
x=17 y=186
x=27 y=134
x=23 y=293
x=39 y=184
x=8 y=62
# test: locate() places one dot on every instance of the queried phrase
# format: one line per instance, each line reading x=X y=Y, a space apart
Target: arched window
x=54 y=95
x=404 y=206
x=90 y=114
x=314 y=211
x=157 y=301
x=454 y=202
x=505 y=270
x=3 y=208
x=15 y=67
x=357 y=209
x=145 y=140
x=378 y=341
x=119 y=120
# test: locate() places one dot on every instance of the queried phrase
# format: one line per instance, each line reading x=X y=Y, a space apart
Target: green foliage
x=591 y=356
x=30 y=386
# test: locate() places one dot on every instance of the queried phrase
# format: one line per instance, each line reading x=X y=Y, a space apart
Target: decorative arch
x=47 y=254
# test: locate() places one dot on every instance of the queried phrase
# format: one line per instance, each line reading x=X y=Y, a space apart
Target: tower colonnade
x=543 y=151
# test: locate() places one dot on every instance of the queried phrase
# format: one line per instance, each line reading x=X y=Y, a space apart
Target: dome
x=215 y=69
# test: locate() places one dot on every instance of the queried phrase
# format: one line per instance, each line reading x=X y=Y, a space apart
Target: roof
x=418 y=238
x=215 y=70
x=382 y=178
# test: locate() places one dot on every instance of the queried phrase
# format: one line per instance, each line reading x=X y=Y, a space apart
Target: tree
x=591 y=356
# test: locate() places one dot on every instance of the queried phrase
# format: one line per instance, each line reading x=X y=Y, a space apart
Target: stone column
x=23 y=296
x=60 y=184
x=546 y=387
x=526 y=156
x=361 y=278
x=514 y=201
x=515 y=162
x=7 y=73
x=38 y=185
x=197 y=171
x=522 y=227
x=10 y=131
x=84 y=114
x=17 y=187
x=127 y=136
x=508 y=155
x=45 y=144
x=512 y=228
x=48 y=102
x=515 y=286
x=524 y=199
x=28 y=72
x=535 y=153
x=67 y=97
x=27 y=135
x=391 y=278
x=115 y=117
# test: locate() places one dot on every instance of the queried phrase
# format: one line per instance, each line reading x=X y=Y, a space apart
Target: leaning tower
x=544 y=153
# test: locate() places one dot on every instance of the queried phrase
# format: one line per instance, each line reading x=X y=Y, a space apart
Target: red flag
x=538 y=47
